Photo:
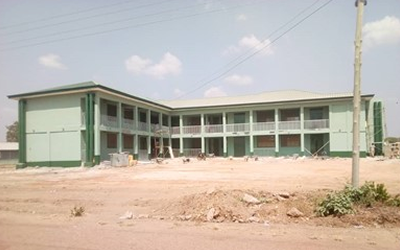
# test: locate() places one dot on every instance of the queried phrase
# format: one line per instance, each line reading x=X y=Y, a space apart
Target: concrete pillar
x=202 y=133
x=302 y=130
x=119 y=119
x=224 y=140
x=251 y=133
x=276 y=132
x=97 y=140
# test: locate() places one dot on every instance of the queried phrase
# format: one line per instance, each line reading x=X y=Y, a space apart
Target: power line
x=86 y=18
x=64 y=15
x=129 y=27
x=265 y=40
x=101 y=24
x=255 y=53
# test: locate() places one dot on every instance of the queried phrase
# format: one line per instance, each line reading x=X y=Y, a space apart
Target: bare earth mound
x=231 y=206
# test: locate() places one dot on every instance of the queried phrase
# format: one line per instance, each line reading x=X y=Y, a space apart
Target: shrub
x=341 y=202
x=395 y=201
x=336 y=204
x=77 y=211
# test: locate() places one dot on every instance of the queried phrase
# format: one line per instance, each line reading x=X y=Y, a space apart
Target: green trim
x=96 y=159
x=54 y=164
x=21 y=133
x=346 y=154
x=378 y=128
x=136 y=156
x=89 y=136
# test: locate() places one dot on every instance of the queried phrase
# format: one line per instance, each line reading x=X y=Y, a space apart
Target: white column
x=201 y=133
x=180 y=134
x=224 y=140
x=302 y=129
x=119 y=118
x=276 y=131
x=251 y=132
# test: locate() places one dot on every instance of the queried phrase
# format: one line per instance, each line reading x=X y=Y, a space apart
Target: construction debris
x=250 y=199
x=294 y=212
x=201 y=156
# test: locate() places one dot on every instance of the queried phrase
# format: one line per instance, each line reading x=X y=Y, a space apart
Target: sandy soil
x=36 y=203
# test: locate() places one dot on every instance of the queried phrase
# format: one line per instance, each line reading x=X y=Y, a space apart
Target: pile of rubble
x=232 y=206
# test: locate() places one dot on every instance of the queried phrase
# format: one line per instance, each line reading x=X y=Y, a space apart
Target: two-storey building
x=83 y=123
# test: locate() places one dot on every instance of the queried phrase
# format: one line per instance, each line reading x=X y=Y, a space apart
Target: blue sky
x=165 y=49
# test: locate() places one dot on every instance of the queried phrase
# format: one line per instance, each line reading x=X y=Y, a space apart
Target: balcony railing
x=316 y=124
x=263 y=126
x=214 y=128
x=175 y=130
x=128 y=124
x=143 y=126
x=191 y=152
x=289 y=125
x=191 y=129
x=237 y=127
x=109 y=121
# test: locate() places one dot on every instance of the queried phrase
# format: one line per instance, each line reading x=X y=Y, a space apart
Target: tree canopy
x=12 y=132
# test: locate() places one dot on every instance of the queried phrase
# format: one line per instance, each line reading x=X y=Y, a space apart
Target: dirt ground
x=167 y=206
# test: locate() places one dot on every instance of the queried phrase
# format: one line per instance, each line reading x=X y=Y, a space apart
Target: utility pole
x=357 y=95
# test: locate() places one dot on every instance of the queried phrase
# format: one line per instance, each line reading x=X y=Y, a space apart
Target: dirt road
x=36 y=203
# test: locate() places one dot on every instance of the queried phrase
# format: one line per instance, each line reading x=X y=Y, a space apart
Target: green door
x=239 y=146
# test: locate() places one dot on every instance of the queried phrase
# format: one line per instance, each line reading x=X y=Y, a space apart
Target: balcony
x=316 y=124
x=191 y=152
x=128 y=124
x=289 y=125
x=237 y=127
x=143 y=126
x=109 y=121
x=264 y=126
x=191 y=129
x=175 y=130
x=214 y=128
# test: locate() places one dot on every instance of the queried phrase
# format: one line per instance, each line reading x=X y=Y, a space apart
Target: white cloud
x=239 y=80
x=51 y=61
x=241 y=17
x=250 y=42
x=382 y=32
x=136 y=65
x=214 y=92
x=168 y=65
x=178 y=92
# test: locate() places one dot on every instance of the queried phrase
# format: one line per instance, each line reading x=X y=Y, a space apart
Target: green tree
x=12 y=132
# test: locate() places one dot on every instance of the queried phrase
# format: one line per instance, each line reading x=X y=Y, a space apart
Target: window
x=128 y=141
x=111 y=140
x=316 y=113
x=128 y=113
x=290 y=115
x=267 y=141
x=290 y=140
x=165 y=121
x=143 y=117
x=265 y=116
x=112 y=110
